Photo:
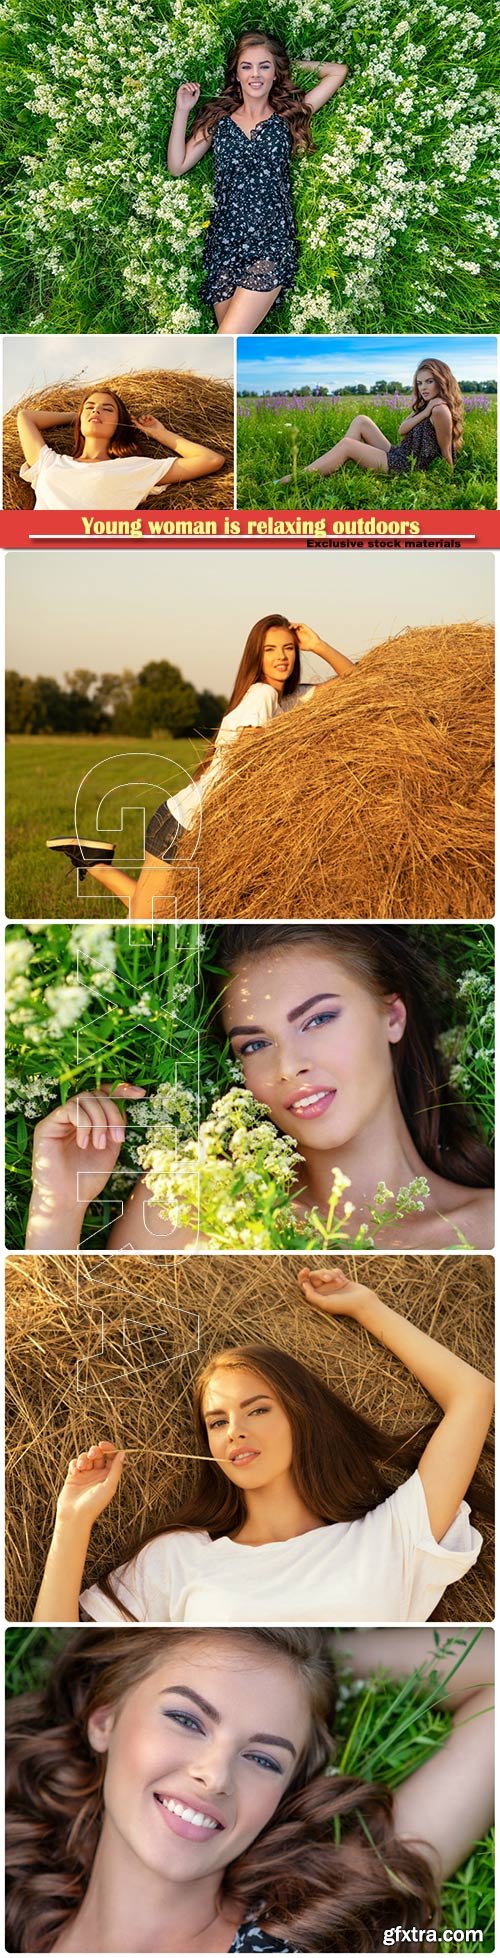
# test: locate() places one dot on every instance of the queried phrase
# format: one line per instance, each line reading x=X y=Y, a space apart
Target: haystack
x=185 y=402
x=163 y=1318
x=374 y=799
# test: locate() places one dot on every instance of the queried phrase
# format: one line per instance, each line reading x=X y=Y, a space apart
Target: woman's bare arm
x=333 y=75
x=31 y=424
x=182 y=153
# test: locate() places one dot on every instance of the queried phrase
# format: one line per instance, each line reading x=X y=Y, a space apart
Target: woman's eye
x=184 y=1720
x=261 y=1410
x=216 y=1424
x=251 y=1047
x=320 y=1020
x=265 y=1761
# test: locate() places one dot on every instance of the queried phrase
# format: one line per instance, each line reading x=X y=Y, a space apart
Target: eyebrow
x=275 y=1740
x=265 y=1395
x=306 y=1003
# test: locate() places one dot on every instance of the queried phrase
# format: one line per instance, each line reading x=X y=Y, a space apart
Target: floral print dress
x=251 y=1937
x=251 y=241
x=420 y=443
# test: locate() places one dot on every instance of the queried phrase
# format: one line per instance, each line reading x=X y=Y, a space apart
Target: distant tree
x=379 y=387
x=19 y=703
x=209 y=712
x=162 y=699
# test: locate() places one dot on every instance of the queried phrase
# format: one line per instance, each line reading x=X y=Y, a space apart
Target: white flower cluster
x=164 y=1120
x=31 y=1097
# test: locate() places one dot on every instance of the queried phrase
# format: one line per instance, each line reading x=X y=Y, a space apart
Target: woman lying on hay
x=335 y=1028
x=150 y=1815
x=289 y=1468
x=267 y=683
x=108 y=469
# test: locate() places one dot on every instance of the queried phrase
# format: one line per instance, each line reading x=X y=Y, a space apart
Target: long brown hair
x=126 y=440
x=250 y=670
x=450 y=393
x=342 y=1463
x=388 y=961
x=284 y=98
x=330 y=1891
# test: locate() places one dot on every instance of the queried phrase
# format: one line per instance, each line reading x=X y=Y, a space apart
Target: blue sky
x=273 y=363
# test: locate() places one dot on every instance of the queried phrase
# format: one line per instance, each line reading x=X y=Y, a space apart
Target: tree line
x=358 y=387
x=156 y=701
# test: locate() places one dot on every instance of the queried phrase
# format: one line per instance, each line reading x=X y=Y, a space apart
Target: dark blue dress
x=252 y=240
x=420 y=443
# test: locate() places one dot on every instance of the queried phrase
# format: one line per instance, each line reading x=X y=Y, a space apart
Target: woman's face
x=278 y=656
x=256 y=72
x=248 y=1432
x=199 y=1755
x=99 y=416
x=314 y=1043
x=427 y=384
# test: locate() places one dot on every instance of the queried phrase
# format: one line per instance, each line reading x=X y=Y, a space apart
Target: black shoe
x=82 y=854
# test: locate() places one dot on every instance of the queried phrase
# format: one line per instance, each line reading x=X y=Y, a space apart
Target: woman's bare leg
x=364 y=430
x=114 y=880
x=245 y=310
x=349 y=449
x=221 y=309
x=155 y=891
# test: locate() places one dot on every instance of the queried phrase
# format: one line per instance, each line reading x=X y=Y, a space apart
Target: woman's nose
x=214 y=1771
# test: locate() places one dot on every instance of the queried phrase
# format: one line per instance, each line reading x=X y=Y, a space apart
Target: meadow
x=383 y=1730
x=278 y=435
x=396 y=208
x=42 y=778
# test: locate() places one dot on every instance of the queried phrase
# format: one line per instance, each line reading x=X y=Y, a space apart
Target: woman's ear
x=396 y=1019
x=99 y=1726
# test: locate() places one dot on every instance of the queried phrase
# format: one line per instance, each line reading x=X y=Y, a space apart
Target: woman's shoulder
x=468 y=1212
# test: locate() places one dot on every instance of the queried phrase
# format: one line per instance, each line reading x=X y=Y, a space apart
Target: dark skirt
x=163 y=834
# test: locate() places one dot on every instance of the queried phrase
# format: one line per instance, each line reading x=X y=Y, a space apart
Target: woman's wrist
x=373 y=1315
x=51 y=1229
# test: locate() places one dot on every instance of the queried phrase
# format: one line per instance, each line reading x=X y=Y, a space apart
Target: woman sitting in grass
x=432 y=432
x=335 y=1029
x=294 y=1511
x=172 y=1791
x=107 y=470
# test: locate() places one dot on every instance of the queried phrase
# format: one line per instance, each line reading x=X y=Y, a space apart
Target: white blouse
x=386 y=1567
x=260 y=704
x=62 y=483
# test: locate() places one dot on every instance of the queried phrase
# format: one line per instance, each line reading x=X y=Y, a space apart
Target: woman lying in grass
x=107 y=470
x=289 y=1470
x=254 y=126
x=335 y=1029
x=432 y=431
x=267 y=683
x=172 y=1791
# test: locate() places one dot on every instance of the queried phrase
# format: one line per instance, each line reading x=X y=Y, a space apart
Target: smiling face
x=256 y=72
x=313 y=1041
x=278 y=656
x=427 y=384
x=199 y=1755
x=248 y=1432
x=99 y=416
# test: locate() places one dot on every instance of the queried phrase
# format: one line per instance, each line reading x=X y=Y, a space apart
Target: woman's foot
x=81 y=854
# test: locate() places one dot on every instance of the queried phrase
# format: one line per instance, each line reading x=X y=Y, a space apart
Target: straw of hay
x=374 y=799
x=138 y=1393
x=200 y=409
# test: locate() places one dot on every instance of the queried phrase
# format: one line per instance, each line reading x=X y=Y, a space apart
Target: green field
x=270 y=431
x=43 y=774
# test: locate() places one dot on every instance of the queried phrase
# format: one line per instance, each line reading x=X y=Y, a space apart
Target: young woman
x=294 y=1513
x=267 y=683
x=107 y=470
x=171 y=1791
x=254 y=126
x=335 y=1028
x=431 y=431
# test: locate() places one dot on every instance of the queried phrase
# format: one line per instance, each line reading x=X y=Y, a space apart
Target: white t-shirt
x=385 y=1567
x=260 y=703
x=62 y=483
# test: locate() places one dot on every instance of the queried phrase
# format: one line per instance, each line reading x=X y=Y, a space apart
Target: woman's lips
x=243 y=1456
x=315 y=1102
x=180 y=1825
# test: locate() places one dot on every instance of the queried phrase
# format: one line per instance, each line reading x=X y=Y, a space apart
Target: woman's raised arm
x=75 y=1150
x=31 y=424
x=333 y=75
x=91 y=1482
x=194 y=458
x=182 y=155
x=466 y=1396
x=310 y=642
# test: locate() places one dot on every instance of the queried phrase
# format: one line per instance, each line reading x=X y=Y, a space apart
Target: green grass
x=384 y=1731
x=267 y=439
x=396 y=208
x=42 y=779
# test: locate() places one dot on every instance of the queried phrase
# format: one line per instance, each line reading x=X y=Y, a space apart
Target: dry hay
x=138 y=1393
x=200 y=409
x=372 y=800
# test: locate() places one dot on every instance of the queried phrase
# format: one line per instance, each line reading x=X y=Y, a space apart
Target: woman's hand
x=309 y=641
x=187 y=96
x=149 y=425
x=75 y=1149
x=91 y=1482
x=330 y=1291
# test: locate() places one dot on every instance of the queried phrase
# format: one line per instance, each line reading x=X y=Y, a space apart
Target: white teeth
x=308 y=1101
x=189 y=1814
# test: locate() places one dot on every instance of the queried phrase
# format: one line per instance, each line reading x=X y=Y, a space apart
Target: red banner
x=306 y=529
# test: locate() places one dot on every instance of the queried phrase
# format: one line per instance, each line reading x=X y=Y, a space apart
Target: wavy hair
x=328 y=1867
x=284 y=98
x=384 y=959
x=343 y=1464
x=450 y=393
x=250 y=670
x=126 y=440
